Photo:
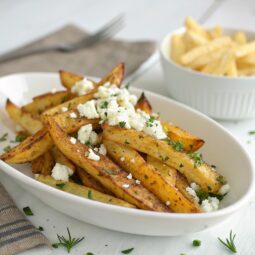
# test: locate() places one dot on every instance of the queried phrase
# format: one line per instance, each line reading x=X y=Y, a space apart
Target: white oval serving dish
x=221 y=149
x=227 y=98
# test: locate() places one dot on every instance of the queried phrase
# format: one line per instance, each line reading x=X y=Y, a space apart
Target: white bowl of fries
x=211 y=72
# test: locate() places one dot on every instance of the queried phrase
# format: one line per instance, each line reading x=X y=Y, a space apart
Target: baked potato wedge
x=68 y=79
x=144 y=104
x=43 y=102
x=30 y=149
x=195 y=170
x=189 y=141
x=90 y=182
x=83 y=191
x=150 y=178
x=23 y=118
x=43 y=164
x=111 y=176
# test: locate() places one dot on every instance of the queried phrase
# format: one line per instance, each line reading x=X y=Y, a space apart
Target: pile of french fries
x=210 y=51
x=154 y=176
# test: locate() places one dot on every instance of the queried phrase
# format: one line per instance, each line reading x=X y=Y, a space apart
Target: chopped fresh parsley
x=68 y=243
x=40 y=228
x=122 y=124
x=3 y=137
x=89 y=253
x=60 y=185
x=28 y=211
x=221 y=179
x=178 y=146
x=149 y=122
x=196 y=243
x=230 y=242
x=90 y=194
x=127 y=85
x=20 y=137
x=104 y=105
x=197 y=158
x=7 y=148
x=127 y=251
x=202 y=195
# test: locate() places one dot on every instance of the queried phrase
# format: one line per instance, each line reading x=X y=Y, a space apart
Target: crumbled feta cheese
x=132 y=160
x=168 y=203
x=73 y=115
x=126 y=186
x=73 y=140
x=88 y=110
x=64 y=109
x=194 y=186
x=210 y=204
x=102 y=150
x=82 y=87
x=54 y=90
x=192 y=192
x=93 y=138
x=129 y=176
x=224 y=189
x=92 y=155
x=84 y=133
x=61 y=172
x=155 y=129
x=137 y=182
x=122 y=159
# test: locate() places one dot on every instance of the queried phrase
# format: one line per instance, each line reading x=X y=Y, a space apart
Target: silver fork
x=106 y=32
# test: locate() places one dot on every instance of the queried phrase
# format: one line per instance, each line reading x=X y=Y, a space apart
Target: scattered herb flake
x=196 y=243
x=197 y=158
x=20 y=137
x=89 y=253
x=7 y=148
x=252 y=132
x=68 y=243
x=230 y=242
x=40 y=228
x=178 y=146
x=28 y=211
x=122 y=124
x=221 y=179
x=60 y=185
x=3 y=137
x=90 y=194
x=127 y=251
x=104 y=105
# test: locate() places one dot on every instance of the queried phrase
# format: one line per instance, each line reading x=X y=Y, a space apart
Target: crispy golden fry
x=210 y=67
x=189 y=141
x=215 y=32
x=195 y=39
x=240 y=38
x=192 y=25
x=245 y=49
x=246 y=71
x=68 y=79
x=224 y=62
x=149 y=177
x=43 y=164
x=90 y=182
x=83 y=191
x=211 y=46
x=178 y=47
x=28 y=122
x=60 y=158
x=246 y=61
x=194 y=169
x=30 y=149
x=144 y=104
x=105 y=171
x=169 y=173
x=46 y=101
x=232 y=71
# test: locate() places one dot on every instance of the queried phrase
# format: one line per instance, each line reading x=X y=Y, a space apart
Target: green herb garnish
x=60 y=185
x=178 y=146
x=221 y=179
x=104 y=105
x=28 y=211
x=68 y=243
x=252 y=132
x=202 y=195
x=230 y=242
x=3 y=137
x=7 y=148
x=90 y=194
x=89 y=253
x=197 y=158
x=20 y=137
x=196 y=243
x=127 y=85
x=149 y=122
x=40 y=228
x=122 y=124
x=127 y=251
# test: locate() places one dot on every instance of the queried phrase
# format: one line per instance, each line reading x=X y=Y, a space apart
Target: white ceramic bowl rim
x=197 y=73
x=228 y=209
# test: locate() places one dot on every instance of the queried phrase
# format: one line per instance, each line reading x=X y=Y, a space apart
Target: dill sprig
x=67 y=243
x=230 y=242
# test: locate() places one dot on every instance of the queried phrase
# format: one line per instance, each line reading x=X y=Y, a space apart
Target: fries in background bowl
x=211 y=69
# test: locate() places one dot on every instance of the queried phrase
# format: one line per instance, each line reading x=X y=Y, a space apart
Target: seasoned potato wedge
x=28 y=122
x=90 y=182
x=60 y=158
x=189 y=141
x=43 y=164
x=30 y=149
x=68 y=79
x=83 y=191
x=200 y=172
x=105 y=171
x=144 y=104
x=150 y=178
x=46 y=101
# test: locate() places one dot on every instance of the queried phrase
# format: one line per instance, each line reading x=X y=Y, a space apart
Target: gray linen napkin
x=95 y=60
x=17 y=234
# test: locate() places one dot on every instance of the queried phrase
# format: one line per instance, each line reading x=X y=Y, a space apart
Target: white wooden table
x=23 y=21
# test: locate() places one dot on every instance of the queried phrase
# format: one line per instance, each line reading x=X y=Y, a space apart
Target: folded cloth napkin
x=95 y=60
x=17 y=234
